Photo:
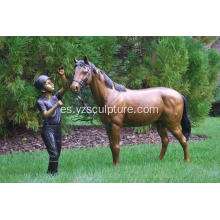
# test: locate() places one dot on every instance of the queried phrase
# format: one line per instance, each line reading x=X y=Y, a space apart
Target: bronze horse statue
x=171 y=107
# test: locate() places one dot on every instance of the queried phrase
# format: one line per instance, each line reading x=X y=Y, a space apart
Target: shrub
x=23 y=59
x=181 y=63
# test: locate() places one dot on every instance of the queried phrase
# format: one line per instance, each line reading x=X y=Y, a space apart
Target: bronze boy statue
x=49 y=105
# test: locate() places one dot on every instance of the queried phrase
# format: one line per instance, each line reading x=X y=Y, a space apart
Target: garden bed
x=81 y=136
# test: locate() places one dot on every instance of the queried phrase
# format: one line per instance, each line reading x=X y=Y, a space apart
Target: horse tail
x=185 y=122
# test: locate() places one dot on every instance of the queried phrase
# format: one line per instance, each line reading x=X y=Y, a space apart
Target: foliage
x=202 y=75
x=207 y=40
x=217 y=94
x=142 y=130
x=23 y=59
x=181 y=63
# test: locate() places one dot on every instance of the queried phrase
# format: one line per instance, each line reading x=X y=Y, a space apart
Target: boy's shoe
x=52 y=167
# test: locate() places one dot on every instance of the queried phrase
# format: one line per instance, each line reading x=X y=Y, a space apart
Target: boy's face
x=49 y=85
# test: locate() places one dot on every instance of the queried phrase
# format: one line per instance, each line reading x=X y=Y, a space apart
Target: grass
x=138 y=163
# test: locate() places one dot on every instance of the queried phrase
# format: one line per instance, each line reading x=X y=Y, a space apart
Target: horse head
x=82 y=75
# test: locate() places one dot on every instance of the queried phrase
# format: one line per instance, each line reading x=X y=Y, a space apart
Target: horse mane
x=108 y=82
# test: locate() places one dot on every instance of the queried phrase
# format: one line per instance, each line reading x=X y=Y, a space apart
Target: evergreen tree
x=181 y=63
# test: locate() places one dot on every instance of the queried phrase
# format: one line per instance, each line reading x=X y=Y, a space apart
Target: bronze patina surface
x=170 y=107
x=49 y=105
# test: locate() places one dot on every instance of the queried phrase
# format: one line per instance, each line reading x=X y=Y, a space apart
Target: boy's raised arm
x=64 y=81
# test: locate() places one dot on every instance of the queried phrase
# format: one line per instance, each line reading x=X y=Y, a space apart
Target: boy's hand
x=61 y=70
x=59 y=103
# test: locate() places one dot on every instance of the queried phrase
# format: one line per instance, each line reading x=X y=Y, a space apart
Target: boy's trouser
x=51 y=135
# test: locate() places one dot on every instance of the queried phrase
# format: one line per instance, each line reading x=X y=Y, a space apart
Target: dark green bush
x=181 y=63
x=217 y=94
x=23 y=59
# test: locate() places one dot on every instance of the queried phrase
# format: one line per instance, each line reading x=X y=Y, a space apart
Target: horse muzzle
x=75 y=87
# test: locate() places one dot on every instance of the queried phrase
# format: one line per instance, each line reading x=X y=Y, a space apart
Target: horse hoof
x=187 y=160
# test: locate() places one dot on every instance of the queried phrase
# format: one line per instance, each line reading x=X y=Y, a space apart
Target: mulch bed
x=81 y=136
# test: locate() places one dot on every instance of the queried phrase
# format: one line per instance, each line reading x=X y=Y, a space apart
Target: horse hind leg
x=162 y=131
x=177 y=133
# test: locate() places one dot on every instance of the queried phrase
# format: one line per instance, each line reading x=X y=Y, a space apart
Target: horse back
x=157 y=103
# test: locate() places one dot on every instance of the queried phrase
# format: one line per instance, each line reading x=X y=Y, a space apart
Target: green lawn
x=138 y=164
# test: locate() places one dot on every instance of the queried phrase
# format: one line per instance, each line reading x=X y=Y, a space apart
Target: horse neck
x=99 y=90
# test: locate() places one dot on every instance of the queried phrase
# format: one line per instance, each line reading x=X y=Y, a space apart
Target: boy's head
x=44 y=84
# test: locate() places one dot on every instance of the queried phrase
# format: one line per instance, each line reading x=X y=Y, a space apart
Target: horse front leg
x=114 y=132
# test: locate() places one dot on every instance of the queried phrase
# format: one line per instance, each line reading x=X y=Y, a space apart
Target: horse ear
x=75 y=60
x=86 y=60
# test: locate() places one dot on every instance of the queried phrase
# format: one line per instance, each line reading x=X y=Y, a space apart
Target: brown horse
x=169 y=107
